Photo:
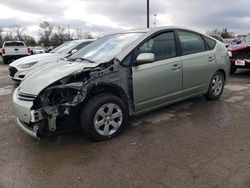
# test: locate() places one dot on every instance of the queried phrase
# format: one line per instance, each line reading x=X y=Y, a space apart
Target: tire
x=5 y=60
x=233 y=69
x=96 y=120
x=216 y=86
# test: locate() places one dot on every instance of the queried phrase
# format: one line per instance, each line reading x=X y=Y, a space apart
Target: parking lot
x=195 y=143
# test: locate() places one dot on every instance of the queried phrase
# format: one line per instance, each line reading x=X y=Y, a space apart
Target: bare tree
x=80 y=34
x=17 y=31
x=14 y=32
x=88 y=35
x=29 y=40
x=46 y=30
x=224 y=33
x=214 y=32
x=59 y=36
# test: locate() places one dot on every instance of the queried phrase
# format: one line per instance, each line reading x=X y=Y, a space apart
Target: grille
x=12 y=71
x=244 y=54
x=25 y=97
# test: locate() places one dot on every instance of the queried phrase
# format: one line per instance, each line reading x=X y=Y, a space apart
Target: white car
x=13 y=50
x=38 y=50
x=21 y=67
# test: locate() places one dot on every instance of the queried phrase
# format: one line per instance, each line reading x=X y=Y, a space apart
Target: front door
x=160 y=82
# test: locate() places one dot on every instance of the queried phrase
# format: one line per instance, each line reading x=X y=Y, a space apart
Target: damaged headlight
x=59 y=96
x=69 y=94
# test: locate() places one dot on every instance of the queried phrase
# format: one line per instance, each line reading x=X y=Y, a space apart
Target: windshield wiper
x=83 y=59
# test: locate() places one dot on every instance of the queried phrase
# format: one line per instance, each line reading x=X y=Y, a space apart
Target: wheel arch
x=108 y=88
x=223 y=72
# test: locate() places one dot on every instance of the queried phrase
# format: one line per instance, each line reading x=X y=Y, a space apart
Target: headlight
x=230 y=53
x=27 y=65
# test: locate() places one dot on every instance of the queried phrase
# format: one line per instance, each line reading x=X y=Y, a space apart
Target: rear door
x=198 y=61
x=159 y=82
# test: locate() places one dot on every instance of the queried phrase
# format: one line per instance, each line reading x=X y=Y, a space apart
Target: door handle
x=176 y=67
x=210 y=59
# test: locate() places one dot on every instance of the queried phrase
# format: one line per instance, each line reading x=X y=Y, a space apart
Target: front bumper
x=26 y=117
x=32 y=132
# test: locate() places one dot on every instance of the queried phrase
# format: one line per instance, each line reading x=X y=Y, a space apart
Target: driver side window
x=162 y=46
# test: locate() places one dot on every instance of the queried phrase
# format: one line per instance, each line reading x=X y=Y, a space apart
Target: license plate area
x=240 y=62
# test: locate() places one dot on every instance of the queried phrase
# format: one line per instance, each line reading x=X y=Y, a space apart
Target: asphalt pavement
x=195 y=143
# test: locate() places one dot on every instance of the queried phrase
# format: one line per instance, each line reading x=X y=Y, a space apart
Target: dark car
x=240 y=55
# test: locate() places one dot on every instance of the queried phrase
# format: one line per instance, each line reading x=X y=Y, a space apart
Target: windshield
x=106 y=48
x=247 y=39
x=64 y=47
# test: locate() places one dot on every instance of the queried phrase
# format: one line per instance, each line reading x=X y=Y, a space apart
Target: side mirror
x=145 y=58
x=73 y=51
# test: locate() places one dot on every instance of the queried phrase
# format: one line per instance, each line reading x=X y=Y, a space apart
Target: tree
x=80 y=34
x=59 y=36
x=224 y=33
x=29 y=40
x=214 y=32
x=17 y=31
x=88 y=35
x=14 y=32
x=46 y=30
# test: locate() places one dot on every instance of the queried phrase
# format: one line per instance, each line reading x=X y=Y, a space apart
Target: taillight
x=29 y=51
x=3 y=51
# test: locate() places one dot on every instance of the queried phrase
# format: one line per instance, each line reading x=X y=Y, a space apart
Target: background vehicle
x=21 y=67
x=121 y=75
x=37 y=50
x=218 y=37
x=13 y=50
x=240 y=54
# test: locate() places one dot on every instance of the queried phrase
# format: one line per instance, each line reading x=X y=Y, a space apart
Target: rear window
x=14 y=44
x=191 y=43
x=210 y=42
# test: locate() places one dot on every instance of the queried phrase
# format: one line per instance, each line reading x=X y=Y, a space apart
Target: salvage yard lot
x=196 y=143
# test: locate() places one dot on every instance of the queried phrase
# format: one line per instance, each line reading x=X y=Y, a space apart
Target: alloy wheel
x=217 y=84
x=108 y=119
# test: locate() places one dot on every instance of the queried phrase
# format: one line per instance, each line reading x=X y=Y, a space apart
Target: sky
x=101 y=17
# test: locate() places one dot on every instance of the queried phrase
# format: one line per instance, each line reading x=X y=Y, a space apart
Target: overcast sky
x=106 y=16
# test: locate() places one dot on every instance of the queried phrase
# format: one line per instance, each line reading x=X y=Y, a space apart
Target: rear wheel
x=216 y=86
x=104 y=117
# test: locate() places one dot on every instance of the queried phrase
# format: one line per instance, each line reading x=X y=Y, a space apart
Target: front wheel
x=104 y=117
x=216 y=86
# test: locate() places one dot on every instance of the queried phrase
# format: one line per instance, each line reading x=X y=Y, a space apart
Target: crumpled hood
x=50 y=73
x=238 y=47
x=39 y=57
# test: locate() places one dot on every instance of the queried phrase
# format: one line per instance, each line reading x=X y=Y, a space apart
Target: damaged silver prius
x=118 y=76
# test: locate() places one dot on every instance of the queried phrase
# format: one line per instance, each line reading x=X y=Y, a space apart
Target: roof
x=13 y=41
x=151 y=30
x=83 y=40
